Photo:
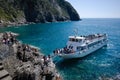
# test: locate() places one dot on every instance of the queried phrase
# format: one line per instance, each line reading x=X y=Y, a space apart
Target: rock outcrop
x=38 y=11
x=24 y=62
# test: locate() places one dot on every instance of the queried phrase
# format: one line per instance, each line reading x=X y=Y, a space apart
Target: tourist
x=4 y=40
x=45 y=61
x=49 y=58
x=19 y=55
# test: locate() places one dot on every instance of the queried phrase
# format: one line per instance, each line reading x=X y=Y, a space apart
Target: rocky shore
x=9 y=24
x=20 y=61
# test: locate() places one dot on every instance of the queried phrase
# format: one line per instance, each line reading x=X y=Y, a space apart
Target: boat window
x=80 y=48
x=95 y=43
x=73 y=39
x=104 y=39
x=80 y=40
x=70 y=39
x=83 y=48
x=76 y=40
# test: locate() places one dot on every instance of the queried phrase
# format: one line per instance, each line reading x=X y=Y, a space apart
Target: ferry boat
x=80 y=46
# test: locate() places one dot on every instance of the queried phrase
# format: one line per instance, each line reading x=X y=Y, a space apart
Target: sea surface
x=104 y=63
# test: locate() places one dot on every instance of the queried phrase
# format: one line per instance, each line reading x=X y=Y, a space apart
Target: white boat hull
x=79 y=54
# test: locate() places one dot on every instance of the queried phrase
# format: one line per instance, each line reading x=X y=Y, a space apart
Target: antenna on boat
x=76 y=31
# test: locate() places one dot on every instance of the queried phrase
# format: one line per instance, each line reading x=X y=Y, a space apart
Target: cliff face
x=37 y=11
x=10 y=11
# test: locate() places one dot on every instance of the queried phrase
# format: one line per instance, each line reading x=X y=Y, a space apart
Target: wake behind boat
x=80 y=46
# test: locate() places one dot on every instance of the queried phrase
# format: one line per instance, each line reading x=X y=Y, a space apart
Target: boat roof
x=77 y=37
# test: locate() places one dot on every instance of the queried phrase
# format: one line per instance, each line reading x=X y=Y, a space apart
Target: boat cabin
x=75 y=41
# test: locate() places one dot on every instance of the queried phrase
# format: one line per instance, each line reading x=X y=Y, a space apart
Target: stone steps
x=4 y=75
x=7 y=78
x=0 y=63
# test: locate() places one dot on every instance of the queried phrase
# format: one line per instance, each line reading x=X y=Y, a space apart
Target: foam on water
x=115 y=54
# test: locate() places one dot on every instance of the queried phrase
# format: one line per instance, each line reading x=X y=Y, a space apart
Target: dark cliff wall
x=37 y=11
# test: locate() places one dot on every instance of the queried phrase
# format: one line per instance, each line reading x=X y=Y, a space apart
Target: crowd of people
x=46 y=60
x=24 y=52
x=8 y=38
x=65 y=50
x=93 y=36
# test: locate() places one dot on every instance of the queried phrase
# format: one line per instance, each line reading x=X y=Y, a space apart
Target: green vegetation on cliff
x=36 y=11
x=10 y=12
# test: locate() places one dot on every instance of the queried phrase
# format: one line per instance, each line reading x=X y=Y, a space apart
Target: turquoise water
x=103 y=63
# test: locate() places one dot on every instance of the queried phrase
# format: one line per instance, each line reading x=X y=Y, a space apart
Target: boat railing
x=64 y=50
x=95 y=36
